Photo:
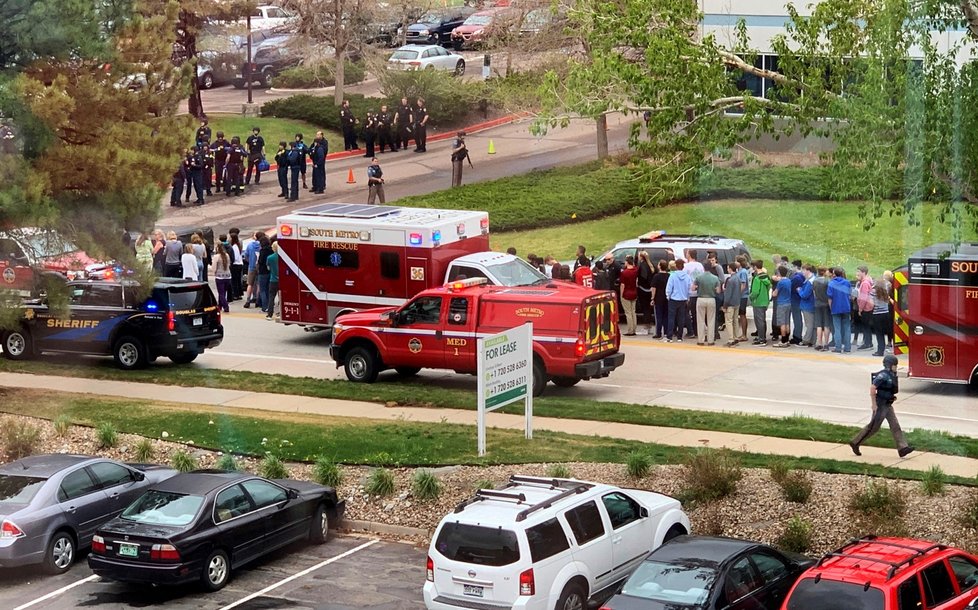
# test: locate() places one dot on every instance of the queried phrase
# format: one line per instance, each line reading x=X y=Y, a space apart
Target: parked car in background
x=481 y=26
x=51 y=505
x=269 y=16
x=705 y=573
x=45 y=250
x=542 y=21
x=668 y=246
x=215 y=69
x=199 y=526
x=435 y=27
x=267 y=61
x=426 y=57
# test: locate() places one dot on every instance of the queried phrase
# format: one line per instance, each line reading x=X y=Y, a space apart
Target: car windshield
x=404 y=54
x=825 y=594
x=48 y=244
x=17 y=489
x=430 y=18
x=488 y=546
x=163 y=508
x=517 y=272
x=673 y=583
x=478 y=20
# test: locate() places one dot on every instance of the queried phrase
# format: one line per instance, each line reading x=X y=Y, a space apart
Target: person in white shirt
x=189 y=262
x=693 y=268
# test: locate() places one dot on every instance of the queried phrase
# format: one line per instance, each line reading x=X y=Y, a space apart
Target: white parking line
x=56 y=593
x=299 y=575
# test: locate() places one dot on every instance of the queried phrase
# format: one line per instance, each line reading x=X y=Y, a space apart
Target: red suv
x=888 y=574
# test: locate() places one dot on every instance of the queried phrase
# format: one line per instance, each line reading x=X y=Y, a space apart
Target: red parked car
x=874 y=573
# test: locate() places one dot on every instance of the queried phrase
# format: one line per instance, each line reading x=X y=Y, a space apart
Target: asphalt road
x=345 y=573
x=830 y=387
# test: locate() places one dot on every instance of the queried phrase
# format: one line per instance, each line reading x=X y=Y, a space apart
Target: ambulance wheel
x=129 y=353
x=539 y=377
x=361 y=365
x=565 y=382
x=17 y=345
x=407 y=371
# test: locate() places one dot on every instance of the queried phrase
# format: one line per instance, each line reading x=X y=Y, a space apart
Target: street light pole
x=249 y=76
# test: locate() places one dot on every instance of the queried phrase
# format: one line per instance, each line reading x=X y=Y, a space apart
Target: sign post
x=505 y=372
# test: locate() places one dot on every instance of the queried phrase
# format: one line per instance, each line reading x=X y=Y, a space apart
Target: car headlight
x=423 y=32
x=477 y=32
x=337 y=329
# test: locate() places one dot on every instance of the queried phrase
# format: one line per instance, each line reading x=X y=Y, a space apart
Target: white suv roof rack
x=570 y=488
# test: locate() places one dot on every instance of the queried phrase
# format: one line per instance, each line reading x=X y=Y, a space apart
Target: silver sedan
x=427 y=57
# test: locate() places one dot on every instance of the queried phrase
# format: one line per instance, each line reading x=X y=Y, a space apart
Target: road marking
x=299 y=574
x=265 y=357
x=57 y=593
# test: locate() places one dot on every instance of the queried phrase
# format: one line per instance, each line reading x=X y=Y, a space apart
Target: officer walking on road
x=460 y=153
x=882 y=393
x=375 y=182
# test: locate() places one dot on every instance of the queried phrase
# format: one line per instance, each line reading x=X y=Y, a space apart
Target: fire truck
x=336 y=258
x=936 y=313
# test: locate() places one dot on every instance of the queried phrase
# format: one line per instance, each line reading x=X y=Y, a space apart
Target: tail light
x=218 y=315
x=171 y=321
x=164 y=552
x=8 y=530
x=579 y=347
x=98 y=545
x=414 y=64
x=484 y=225
x=429 y=571
x=527 y=586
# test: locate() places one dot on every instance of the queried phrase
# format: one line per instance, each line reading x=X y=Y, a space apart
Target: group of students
x=240 y=272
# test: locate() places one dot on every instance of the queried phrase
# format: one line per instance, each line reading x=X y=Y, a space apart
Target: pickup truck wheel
x=571 y=598
x=565 y=382
x=17 y=345
x=129 y=353
x=266 y=79
x=184 y=357
x=539 y=377
x=407 y=371
x=361 y=365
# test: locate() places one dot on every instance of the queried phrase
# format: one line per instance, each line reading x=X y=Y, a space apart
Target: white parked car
x=545 y=544
x=268 y=16
x=426 y=57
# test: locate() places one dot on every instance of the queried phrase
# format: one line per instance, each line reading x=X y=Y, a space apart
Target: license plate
x=198 y=321
x=128 y=550
x=472 y=590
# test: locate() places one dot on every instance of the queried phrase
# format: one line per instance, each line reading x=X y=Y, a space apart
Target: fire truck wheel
x=17 y=345
x=407 y=371
x=361 y=365
x=565 y=382
x=539 y=377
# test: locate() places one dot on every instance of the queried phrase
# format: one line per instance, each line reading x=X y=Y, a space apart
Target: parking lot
x=347 y=572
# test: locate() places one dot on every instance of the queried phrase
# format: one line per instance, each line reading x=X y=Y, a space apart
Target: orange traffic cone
x=349 y=177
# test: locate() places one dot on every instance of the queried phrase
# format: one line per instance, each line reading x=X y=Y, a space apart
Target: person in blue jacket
x=782 y=305
x=838 y=293
x=797 y=319
x=318 y=152
x=806 y=299
x=296 y=165
x=303 y=152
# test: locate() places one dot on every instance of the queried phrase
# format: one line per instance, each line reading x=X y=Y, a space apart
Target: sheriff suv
x=545 y=544
x=178 y=319
x=873 y=573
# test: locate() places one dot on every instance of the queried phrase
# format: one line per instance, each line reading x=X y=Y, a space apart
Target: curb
x=373 y=527
x=365 y=81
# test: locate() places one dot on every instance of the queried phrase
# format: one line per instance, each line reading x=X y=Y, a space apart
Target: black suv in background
x=179 y=320
x=435 y=27
x=267 y=62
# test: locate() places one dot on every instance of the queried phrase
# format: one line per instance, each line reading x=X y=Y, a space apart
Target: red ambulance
x=936 y=309
x=336 y=258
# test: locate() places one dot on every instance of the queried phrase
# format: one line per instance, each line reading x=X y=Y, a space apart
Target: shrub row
x=323 y=75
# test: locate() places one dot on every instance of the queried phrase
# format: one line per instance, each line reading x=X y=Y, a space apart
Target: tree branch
x=970 y=10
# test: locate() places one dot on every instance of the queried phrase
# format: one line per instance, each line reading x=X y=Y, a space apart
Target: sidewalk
x=674 y=437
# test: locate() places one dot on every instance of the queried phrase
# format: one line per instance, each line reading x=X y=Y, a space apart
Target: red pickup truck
x=575 y=331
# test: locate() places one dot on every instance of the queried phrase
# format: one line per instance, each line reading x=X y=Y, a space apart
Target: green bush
x=779 y=470
x=484 y=484
x=709 y=475
x=106 y=436
x=796 y=486
x=797 y=536
x=447 y=98
x=182 y=461
x=62 y=424
x=20 y=439
x=879 y=499
x=272 y=468
x=227 y=462
x=322 y=75
x=380 y=483
x=425 y=485
x=145 y=452
x=933 y=482
x=558 y=471
x=326 y=472
x=638 y=465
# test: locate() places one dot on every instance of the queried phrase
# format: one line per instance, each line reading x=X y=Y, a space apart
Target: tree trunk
x=602 y=135
x=340 y=78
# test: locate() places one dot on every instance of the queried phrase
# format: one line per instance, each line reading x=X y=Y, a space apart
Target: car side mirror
x=643 y=512
x=293 y=494
x=139 y=476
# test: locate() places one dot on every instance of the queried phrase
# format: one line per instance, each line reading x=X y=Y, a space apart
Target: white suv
x=545 y=544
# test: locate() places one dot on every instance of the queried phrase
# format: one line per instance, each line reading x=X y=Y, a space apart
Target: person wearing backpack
x=760 y=298
x=882 y=393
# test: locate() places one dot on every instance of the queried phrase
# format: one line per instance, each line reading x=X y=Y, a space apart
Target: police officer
x=882 y=393
x=295 y=158
x=375 y=182
x=219 y=148
x=348 y=123
x=460 y=153
x=208 y=174
x=234 y=182
x=178 y=181
x=421 y=126
x=203 y=136
x=282 y=161
x=303 y=151
x=195 y=171
x=256 y=152
x=370 y=133
x=318 y=152
x=403 y=117
x=385 y=120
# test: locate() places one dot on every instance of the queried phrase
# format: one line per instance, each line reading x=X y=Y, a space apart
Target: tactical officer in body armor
x=256 y=152
x=403 y=118
x=219 y=148
x=882 y=393
x=385 y=121
x=348 y=123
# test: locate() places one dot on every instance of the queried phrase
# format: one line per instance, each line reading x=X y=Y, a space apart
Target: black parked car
x=50 y=505
x=700 y=573
x=267 y=61
x=435 y=27
x=201 y=525
x=179 y=319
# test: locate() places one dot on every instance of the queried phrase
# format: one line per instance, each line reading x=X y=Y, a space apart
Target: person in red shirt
x=629 y=293
x=583 y=275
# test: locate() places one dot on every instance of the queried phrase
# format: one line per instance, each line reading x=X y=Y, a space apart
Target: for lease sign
x=505 y=373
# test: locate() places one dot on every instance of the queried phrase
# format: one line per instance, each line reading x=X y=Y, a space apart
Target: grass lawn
x=818 y=231
x=272 y=129
x=426 y=395
x=362 y=441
